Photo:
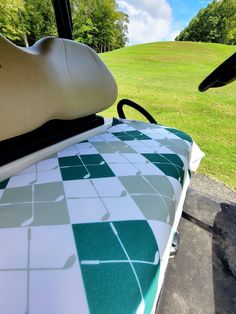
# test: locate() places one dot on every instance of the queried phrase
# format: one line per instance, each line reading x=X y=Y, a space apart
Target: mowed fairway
x=164 y=78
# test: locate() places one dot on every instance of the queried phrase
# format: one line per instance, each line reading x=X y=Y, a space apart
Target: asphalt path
x=202 y=277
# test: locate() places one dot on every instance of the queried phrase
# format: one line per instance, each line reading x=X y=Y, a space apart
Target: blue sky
x=158 y=20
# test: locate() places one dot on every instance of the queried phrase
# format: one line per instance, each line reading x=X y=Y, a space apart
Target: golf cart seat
x=54 y=79
x=86 y=220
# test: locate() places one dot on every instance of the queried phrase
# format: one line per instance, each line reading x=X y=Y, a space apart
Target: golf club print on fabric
x=134 y=264
x=89 y=219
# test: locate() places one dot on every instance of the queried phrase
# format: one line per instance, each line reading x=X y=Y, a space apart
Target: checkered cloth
x=89 y=228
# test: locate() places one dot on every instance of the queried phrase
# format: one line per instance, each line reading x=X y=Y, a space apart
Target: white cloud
x=150 y=20
x=155 y=8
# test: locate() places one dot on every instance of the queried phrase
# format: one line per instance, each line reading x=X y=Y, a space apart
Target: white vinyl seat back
x=54 y=79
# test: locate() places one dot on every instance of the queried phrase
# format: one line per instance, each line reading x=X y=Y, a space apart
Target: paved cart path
x=202 y=277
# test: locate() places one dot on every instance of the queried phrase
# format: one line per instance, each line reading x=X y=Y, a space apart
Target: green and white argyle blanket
x=88 y=230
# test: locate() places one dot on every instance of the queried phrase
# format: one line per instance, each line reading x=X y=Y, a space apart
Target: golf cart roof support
x=63 y=18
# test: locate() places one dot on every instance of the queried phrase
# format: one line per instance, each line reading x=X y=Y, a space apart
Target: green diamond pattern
x=119 y=263
x=4 y=184
x=116 y=121
x=180 y=134
x=131 y=136
x=33 y=205
x=171 y=164
x=84 y=167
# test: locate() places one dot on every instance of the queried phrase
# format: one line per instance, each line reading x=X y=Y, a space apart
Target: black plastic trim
x=224 y=74
x=50 y=133
x=63 y=18
x=134 y=105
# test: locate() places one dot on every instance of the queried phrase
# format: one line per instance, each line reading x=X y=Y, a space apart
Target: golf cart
x=89 y=206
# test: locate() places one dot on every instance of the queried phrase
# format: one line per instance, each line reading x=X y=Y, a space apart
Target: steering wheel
x=224 y=74
x=132 y=104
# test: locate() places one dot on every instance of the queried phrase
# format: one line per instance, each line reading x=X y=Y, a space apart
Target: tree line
x=97 y=23
x=215 y=23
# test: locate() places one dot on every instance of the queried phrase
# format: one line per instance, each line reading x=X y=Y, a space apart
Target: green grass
x=163 y=77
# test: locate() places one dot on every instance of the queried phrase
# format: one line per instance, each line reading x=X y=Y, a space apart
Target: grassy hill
x=163 y=77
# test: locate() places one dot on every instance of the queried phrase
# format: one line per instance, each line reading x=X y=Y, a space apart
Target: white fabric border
x=195 y=159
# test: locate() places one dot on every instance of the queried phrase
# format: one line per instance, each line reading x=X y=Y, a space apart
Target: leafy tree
x=99 y=24
x=215 y=23
x=39 y=19
x=84 y=29
x=121 y=29
x=12 y=23
x=228 y=21
x=26 y=21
